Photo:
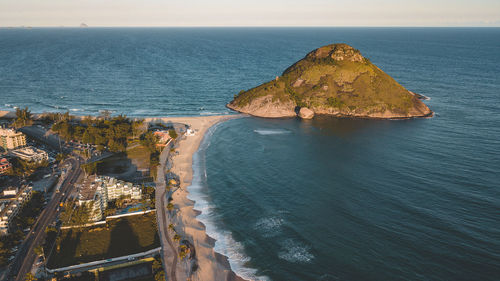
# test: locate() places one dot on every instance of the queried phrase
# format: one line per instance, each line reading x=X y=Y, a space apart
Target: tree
x=160 y=276
x=29 y=277
x=149 y=140
x=61 y=156
x=90 y=168
x=4 y=253
x=156 y=266
x=177 y=238
x=137 y=127
x=172 y=134
x=170 y=206
x=23 y=117
x=39 y=251
x=75 y=215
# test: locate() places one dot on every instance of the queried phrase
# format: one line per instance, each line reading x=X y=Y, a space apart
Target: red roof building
x=4 y=166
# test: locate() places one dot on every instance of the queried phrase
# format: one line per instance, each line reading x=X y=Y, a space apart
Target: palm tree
x=23 y=116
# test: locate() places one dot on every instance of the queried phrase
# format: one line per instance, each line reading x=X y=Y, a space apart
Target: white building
x=190 y=132
x=30 y=154
x=116 y=188
x=97 y=191
x=9 y=207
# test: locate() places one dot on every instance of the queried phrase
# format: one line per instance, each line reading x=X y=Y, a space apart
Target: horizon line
x=252 y=26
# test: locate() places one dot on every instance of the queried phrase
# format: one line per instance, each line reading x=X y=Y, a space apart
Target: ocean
x=289 y=199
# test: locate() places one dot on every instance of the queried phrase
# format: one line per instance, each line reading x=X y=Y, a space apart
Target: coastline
x=211 y=265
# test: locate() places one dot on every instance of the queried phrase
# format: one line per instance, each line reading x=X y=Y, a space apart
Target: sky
x=250 y=12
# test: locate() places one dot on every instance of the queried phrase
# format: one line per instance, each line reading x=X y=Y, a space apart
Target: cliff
x=334 y=80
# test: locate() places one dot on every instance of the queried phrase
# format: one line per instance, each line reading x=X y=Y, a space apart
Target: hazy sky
x=250 y=13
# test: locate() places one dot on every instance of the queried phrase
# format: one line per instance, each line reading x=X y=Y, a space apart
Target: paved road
x=169 y=251
x=43 y=136
x=26 y=257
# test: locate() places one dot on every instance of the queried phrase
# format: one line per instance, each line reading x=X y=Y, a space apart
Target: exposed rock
x=267 y=106
x=306 y=113
x=298 y=83
x=335 y=80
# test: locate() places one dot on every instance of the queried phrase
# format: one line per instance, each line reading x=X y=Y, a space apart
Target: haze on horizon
x=250 y=13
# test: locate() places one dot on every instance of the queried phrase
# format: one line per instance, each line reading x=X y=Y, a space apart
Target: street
x=26 y=256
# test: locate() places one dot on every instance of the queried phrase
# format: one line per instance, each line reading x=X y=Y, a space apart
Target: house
x=163 y=136
x=5 y=166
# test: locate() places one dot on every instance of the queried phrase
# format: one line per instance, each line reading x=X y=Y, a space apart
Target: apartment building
x=11 y=139
x=10 y=203
x=97 y=191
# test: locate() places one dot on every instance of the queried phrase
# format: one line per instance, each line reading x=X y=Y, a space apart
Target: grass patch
x=140 y=156
x=115 y=164
x=119 y=237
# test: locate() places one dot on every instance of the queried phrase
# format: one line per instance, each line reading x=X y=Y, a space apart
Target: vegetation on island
x=334 y=79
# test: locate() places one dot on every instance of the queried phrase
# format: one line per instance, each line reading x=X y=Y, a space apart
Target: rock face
x=334 y=80
x=306 y=113
x=267 y=106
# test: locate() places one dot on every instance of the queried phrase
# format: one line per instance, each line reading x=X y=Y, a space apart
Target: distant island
x=332 y=80
x=83 y=25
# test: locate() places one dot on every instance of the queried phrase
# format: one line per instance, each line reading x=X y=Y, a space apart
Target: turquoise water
x=327 y=199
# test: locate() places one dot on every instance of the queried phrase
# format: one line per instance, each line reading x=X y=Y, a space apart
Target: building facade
x=97 y=191
x=30 y=154
x=5 y=166
x=11 y=202
x=11 y=139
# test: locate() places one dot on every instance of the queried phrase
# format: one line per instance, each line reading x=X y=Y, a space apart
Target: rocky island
x=332 y=80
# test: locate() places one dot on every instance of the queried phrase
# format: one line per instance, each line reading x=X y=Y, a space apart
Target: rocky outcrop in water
x=333 y=80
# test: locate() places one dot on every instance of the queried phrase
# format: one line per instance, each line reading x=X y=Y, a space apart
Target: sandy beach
x=211 y=265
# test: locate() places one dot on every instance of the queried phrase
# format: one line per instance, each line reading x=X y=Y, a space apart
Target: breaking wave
x=225 y=243
x=294 y=251
x=265 y=132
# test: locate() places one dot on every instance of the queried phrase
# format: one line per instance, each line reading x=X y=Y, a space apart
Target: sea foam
x=295 y=252
x=269 y=226
x=225 y=244
x=265 y=132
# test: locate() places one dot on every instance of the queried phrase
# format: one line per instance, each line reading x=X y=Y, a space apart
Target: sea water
x=289 y=199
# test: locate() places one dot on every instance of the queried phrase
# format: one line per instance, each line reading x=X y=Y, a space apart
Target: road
x=45 y=137
x=26 y=256
x=169 y=250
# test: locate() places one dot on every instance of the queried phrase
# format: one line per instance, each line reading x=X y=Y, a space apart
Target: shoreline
x=211 y=264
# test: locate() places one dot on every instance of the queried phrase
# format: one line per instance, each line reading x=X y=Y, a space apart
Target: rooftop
x=88 y=189
x=28 y=151
x=9 y=132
